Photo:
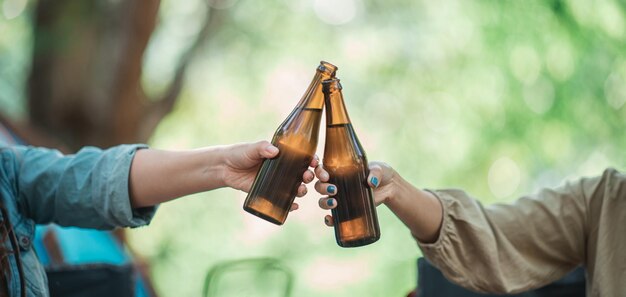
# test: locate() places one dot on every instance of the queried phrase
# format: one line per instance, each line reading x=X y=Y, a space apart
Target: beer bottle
x=356 y=222
x=276 y=184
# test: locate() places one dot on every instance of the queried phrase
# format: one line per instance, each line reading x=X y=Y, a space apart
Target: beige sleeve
x=508 y=248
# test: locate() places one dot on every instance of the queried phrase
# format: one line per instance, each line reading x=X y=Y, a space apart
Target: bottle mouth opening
x=332 y=84
x=327 y=67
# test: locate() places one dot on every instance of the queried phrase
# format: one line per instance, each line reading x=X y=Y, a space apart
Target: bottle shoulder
x=344 y=162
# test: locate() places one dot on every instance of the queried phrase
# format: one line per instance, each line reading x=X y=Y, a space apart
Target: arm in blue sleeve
x=88 y=189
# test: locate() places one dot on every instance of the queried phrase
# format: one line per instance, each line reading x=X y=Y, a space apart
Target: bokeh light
x=13 y=8
x=504 y=177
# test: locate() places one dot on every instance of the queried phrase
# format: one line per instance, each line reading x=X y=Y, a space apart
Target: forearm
x=419 y=210
x=158 y=176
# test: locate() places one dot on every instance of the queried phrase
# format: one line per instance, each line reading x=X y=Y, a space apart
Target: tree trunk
x=85 y=82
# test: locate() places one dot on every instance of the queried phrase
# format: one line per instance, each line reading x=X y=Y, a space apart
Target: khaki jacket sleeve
x=508 y=248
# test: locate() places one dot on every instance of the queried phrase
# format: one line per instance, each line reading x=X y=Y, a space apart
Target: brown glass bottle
x=356 y=222
x=278 y=179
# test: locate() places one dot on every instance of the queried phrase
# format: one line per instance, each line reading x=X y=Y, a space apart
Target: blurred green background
x=499 y=98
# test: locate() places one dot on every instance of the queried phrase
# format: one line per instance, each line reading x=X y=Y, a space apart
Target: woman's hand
x=242 y=162
x=382 y=179
x=419 y=210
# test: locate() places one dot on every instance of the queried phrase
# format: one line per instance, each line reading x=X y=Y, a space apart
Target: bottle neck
x=313 y=98
x=336 y=113
x=309 y=110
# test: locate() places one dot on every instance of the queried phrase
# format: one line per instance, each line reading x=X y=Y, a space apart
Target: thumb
x=380 y=174
x=375 y=177
x=264 y=150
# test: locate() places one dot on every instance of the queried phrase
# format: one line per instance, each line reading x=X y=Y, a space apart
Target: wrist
x=213 y=162
x=400 y=191
x=419 y=210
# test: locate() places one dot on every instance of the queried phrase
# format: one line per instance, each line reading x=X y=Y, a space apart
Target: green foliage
x=15 y=53
x=496 y=97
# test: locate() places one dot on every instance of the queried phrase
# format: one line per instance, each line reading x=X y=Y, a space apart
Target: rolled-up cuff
x=117 y=191
x=429 y=248
x=438 y=252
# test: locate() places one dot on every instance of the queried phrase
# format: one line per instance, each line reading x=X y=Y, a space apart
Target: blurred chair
x=432 y=283
x=258 y=277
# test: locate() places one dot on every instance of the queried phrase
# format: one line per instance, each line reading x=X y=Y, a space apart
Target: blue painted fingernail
x=330 y=189
x=375 y=181
x=329 y=202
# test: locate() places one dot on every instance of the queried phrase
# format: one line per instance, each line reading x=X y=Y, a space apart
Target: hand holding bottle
x=419 y=210
x=242 y=162
x=158 y=176
x=380 y=179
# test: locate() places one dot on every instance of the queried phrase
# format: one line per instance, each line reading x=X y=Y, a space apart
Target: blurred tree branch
x=161 y=107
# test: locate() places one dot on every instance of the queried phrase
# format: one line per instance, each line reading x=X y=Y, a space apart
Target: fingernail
x=326 y=220
x=272 y=149
x=330 y=189
x=325 y=176
x=329 y=202
x=374 y=182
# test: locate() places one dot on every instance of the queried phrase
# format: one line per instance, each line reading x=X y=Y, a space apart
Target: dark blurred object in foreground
x=432 y=283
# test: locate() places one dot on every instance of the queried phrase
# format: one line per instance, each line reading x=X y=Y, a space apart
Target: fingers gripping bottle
x=276 y=184
x=356 y=222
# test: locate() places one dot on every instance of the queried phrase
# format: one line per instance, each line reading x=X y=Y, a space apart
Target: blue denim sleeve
x=88 y=189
